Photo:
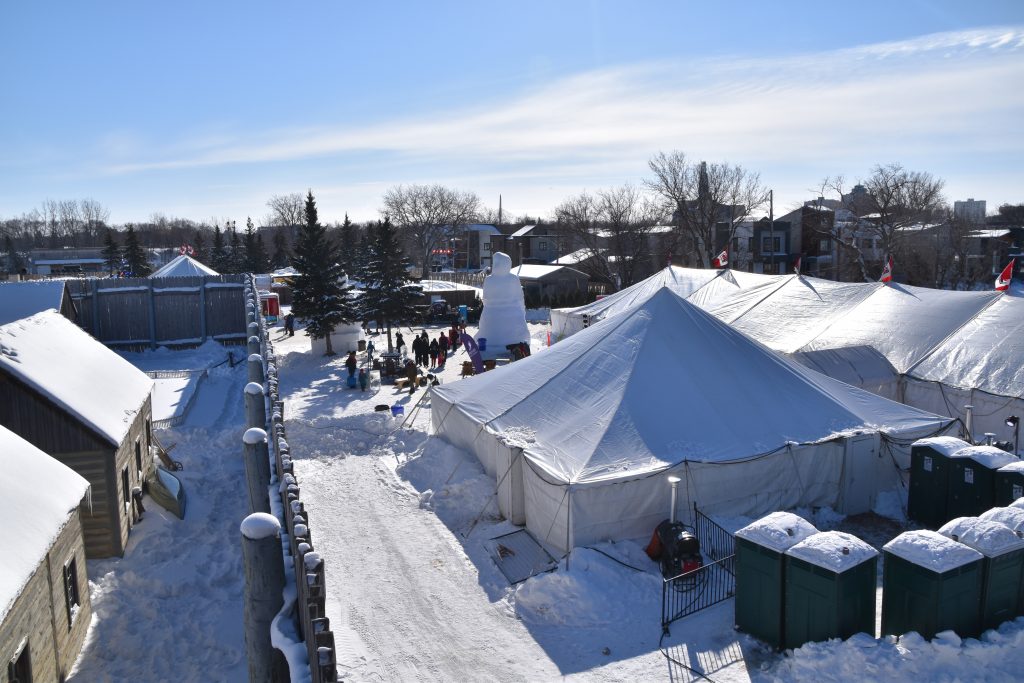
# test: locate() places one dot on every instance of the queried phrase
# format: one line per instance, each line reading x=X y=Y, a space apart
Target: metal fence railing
x=177 y=419
x=714 y=582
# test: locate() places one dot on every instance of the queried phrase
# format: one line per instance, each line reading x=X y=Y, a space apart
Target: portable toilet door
x=1009 y=484
x=929 y=479
x=859 y=486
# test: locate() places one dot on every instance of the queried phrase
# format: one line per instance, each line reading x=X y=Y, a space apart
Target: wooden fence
x=310 y=606
x=181 y=311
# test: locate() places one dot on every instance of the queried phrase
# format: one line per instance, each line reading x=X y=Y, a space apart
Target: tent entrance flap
x=859 y=485
x=519 y=556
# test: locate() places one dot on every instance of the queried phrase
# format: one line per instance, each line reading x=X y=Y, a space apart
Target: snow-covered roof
x=482 y=227
x=992 y=233
x=947 y=445
x=62 y=362
x=435 y=286
x=989 y=538
x=778 y=531
x=523 y=231
x=833 y=550
x=931 y=550
x=575 y=257
x=1010 y=516
x=991 y=457
x=654 y=387
x=66 y=261
x=530 y=271
x=21 y=299
x=37 y=494
x=183 y=265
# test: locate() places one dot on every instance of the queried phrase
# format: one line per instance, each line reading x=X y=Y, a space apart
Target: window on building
x=138 y=458
x=19 y=669
x=71 y=597
x=125 y=491
x=487 y=246
x=542 y=245
x=149 y=434
x=771 y=244
x=825 y=246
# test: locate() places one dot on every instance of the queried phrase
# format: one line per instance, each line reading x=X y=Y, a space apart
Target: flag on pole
x=796 y=265
x=722 y=260
x=474 y=352
x=887 y=272
x=1003 y=281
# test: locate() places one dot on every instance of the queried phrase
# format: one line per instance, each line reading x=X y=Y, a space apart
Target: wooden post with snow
x=257 y=469
x=264 y=581
x=256 y=368
x=255 y=406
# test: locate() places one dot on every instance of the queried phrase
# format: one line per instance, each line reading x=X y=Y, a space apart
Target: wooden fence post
x=257 y=469
x=264 y=581
x=256 y=369
x=255 y=406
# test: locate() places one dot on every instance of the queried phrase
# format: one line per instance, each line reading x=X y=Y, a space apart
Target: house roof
x=37 y=494
x=21 y=299
x=183 y=265
x=63 y=363
x=530 y=271
x=523 y=231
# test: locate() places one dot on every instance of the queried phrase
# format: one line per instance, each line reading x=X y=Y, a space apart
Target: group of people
x=429 y=352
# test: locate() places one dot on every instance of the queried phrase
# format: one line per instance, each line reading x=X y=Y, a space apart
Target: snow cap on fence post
x=257 y=469
x=264 y=582
x=255 y=406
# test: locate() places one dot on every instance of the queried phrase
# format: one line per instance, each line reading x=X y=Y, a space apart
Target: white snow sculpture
x=503 y=320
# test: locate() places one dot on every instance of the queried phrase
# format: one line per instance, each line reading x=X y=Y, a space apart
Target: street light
x=674 y=481
x=1014 y=421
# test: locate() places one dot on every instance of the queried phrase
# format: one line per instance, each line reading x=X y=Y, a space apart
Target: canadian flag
x=722 y=260
x=1003 y=281
x=887 y=272
x=796 y=265
x=186 y=249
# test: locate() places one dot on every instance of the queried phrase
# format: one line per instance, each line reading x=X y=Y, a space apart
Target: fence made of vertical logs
x=308 y=612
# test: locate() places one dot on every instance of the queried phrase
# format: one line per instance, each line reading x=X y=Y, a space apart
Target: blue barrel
x=482 y=343
x=397 y=410
x=464 y=312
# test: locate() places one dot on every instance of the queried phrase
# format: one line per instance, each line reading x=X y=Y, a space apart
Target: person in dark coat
x=412 y=373
x=399 y=343
x=453 y=337
x=434 y=349
x=424 y=349
x=418 y=351
x=442 y=349
x=351 y=363
x=289 y=324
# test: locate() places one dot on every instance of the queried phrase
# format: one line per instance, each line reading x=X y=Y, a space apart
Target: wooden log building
x=75 y=399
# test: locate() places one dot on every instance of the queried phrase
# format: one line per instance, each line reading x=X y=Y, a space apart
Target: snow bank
x=779 y=531
x=991 y=539
x=947 y=445
x=931 y=550
x=833 y=550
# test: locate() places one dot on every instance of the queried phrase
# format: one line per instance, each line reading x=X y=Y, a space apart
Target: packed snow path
x=171 y=608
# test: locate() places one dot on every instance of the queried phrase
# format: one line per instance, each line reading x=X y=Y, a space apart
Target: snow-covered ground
x=403 y=520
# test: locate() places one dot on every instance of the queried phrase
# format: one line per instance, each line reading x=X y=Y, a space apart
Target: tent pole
x=568 y=526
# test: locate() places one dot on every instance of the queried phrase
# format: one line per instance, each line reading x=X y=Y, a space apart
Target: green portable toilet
x=1012 y=517
x=760 y=573
x=1009 y=484
x=1001 y=566
x=972 y=479
x=931 y=583
x=830 y=588
x=929 y=479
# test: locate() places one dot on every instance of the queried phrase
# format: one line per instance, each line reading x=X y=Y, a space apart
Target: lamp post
x=674 y=482
x=1014 y=421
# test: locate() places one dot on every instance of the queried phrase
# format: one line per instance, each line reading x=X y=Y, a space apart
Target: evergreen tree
x=14 y=261
x=388 y=292
x=111 y=253
x=349 y=246
x=281 y=257
x=261 y=261
x=250 y=247
x=219 y=253
x=320 y=295
x=236 y=253
x=199 y=248
x=135 y=255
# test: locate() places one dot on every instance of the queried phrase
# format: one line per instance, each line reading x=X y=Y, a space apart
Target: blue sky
x=204 y=110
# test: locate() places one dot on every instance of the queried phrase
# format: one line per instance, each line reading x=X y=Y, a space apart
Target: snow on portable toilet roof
x=947 y=445
x=989 y=456
x=991 y=539
x=1019 y=503
x=61 y=361
x=1011 y=517
x=1016 y=466
x=833 y=550
x=931 y=550
x=778 y=531
x=37 y=493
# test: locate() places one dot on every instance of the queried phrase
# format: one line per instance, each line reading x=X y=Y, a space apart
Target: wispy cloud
x=897 y=98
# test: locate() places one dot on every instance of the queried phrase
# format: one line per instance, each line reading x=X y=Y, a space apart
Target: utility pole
x=771 y=228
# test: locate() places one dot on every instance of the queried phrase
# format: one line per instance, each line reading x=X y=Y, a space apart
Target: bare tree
x=703 y=199
x=614 y=226
x=428 y=215
x=287 y=210
x=94 y=217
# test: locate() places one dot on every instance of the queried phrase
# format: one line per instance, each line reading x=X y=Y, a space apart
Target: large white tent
x=183 y=265
x=576 y=436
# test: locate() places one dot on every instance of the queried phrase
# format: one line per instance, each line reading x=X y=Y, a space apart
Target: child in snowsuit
x=363 y=379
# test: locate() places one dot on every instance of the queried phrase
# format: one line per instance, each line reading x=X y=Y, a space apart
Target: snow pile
x=1010 y=517
x=778 y=531
x=947 y=445
x=503 y=320
x=891 y=504
x=989 y=456
x=31 y=522
x=833 y=550
x=997 y=656
x=931 y=550
x=577 y=596
x=989 y=538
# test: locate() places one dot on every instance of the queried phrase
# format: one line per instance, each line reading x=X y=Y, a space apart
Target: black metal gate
x=714 y=582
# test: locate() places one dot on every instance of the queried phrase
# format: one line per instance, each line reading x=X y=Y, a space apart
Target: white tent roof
x=183 y=265
x=21 y=299
x=660 y=384
x=61 y=361
x=986 y=353
x=37 y=494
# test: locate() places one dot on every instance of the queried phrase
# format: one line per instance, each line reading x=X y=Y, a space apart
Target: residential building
x=970 y=210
